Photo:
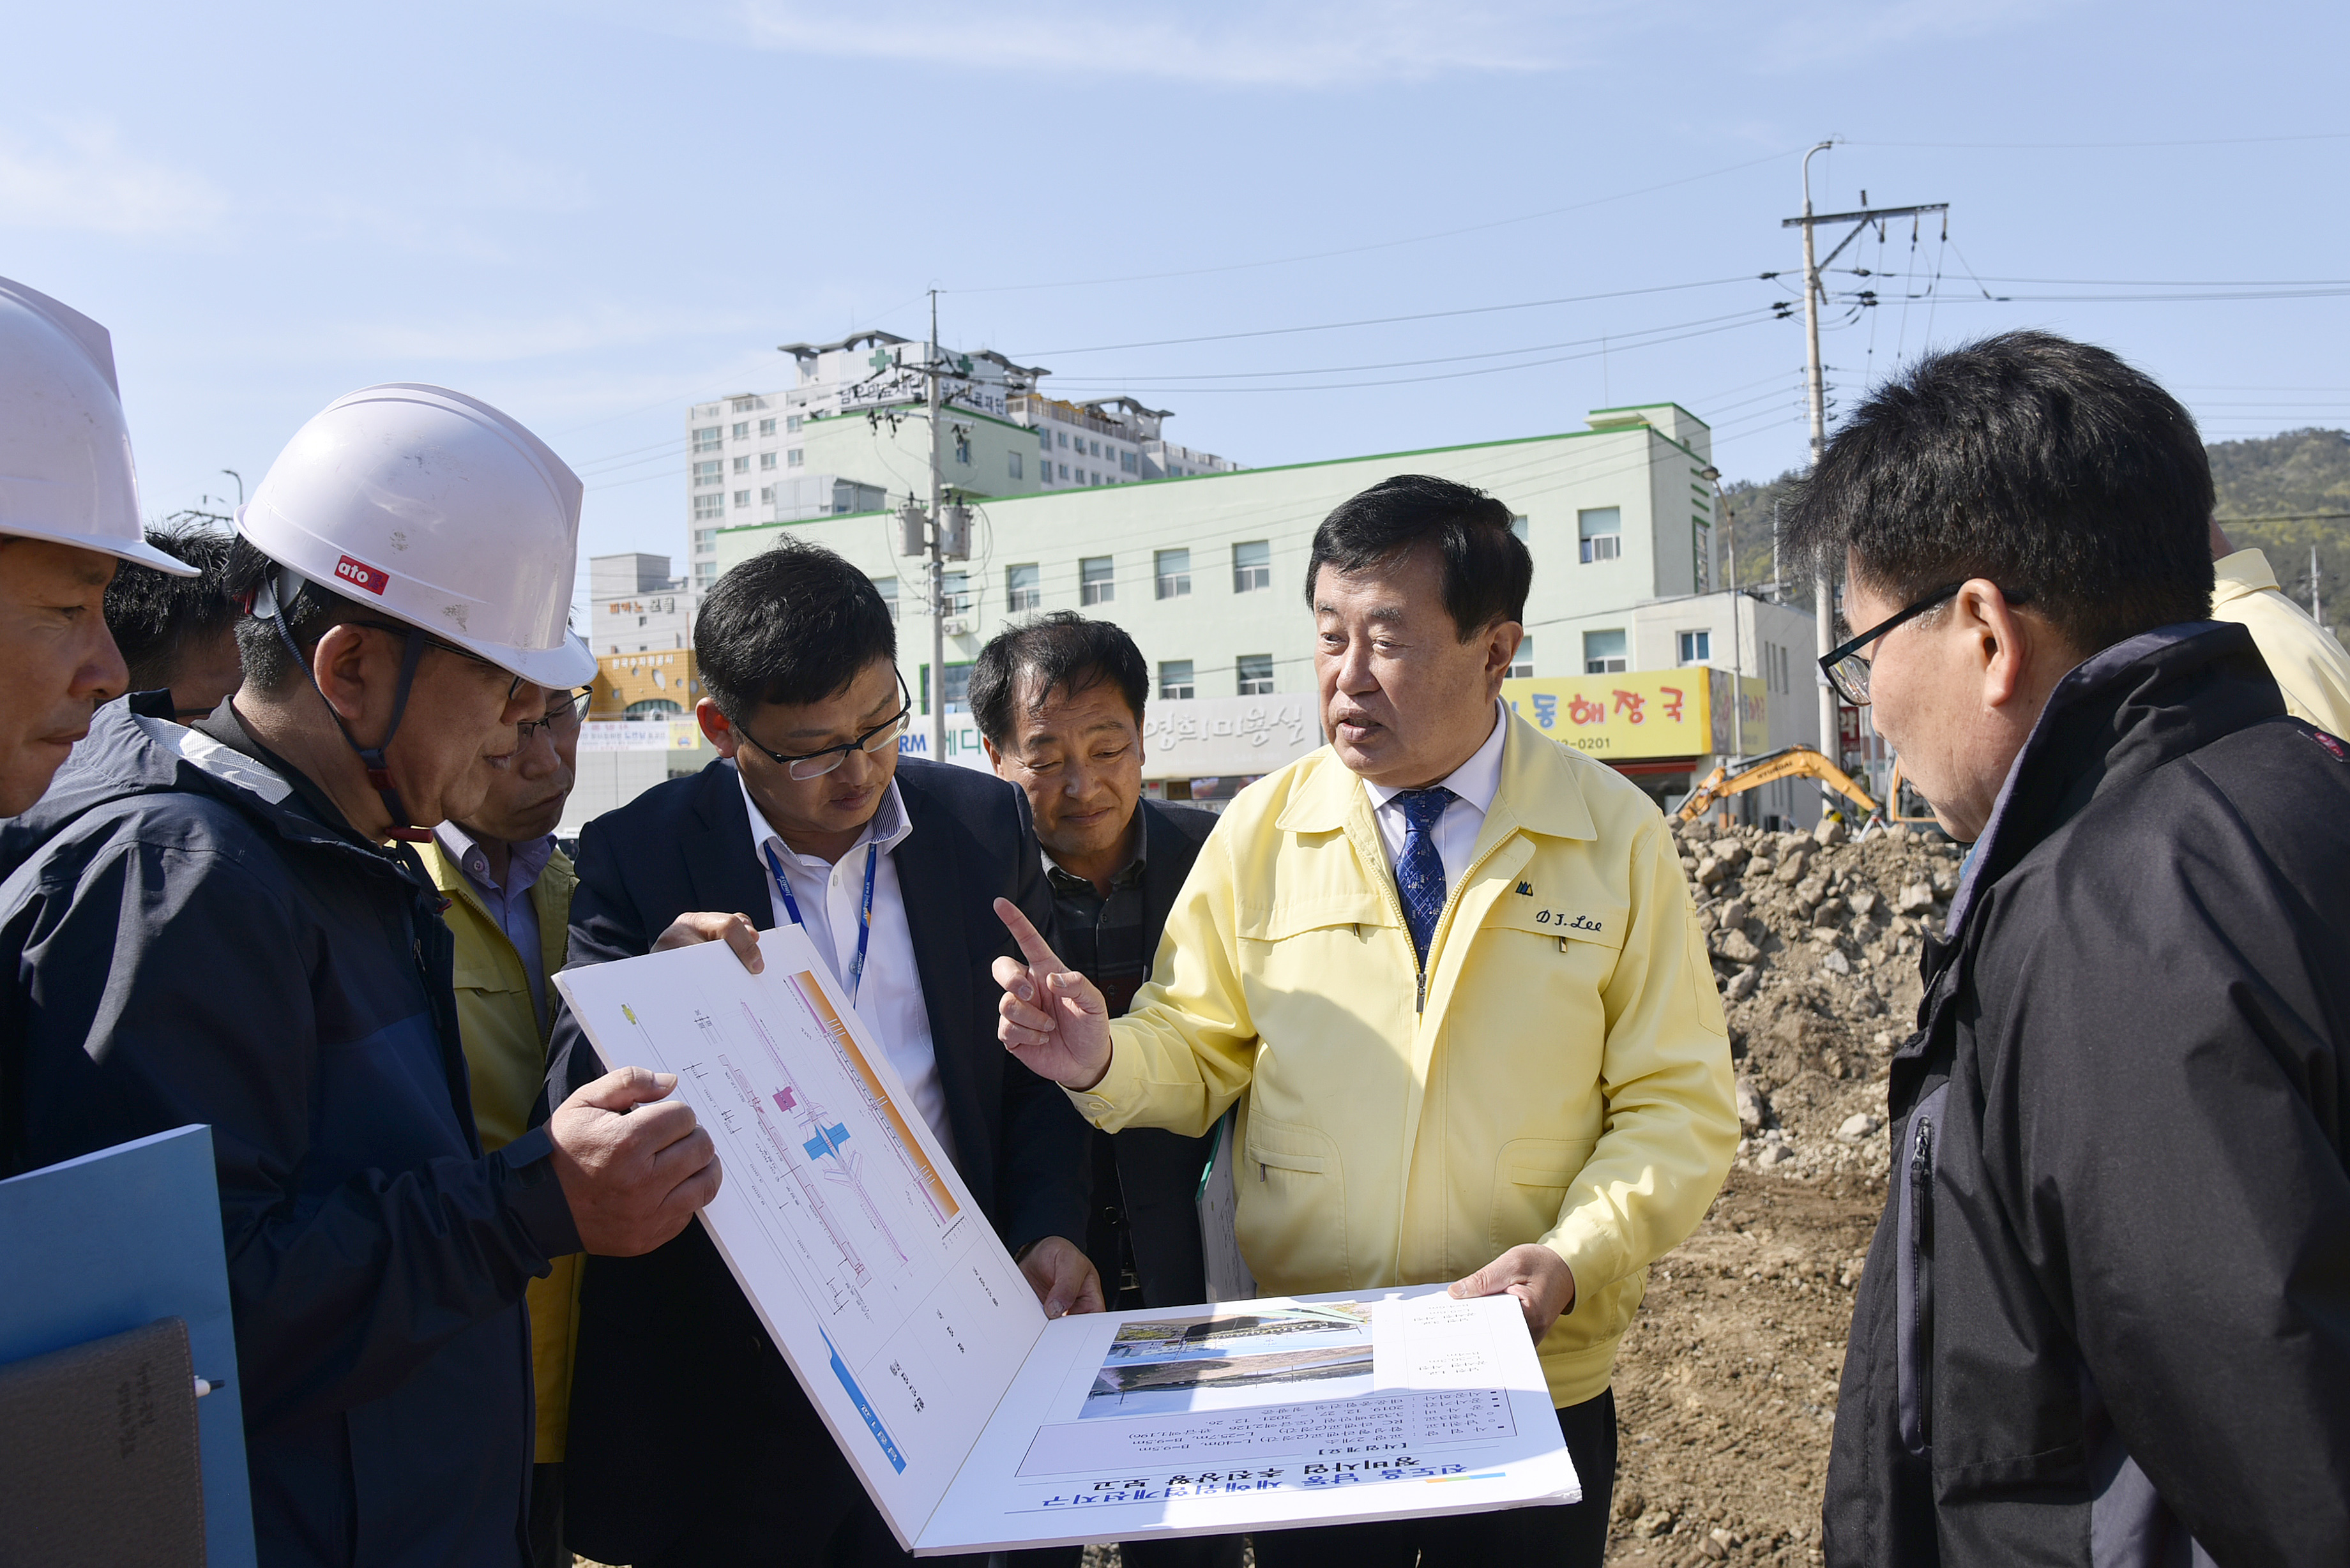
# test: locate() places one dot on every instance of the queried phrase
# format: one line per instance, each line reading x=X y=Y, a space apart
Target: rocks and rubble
x=1815 y=940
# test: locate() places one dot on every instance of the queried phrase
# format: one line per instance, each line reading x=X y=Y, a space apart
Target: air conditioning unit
x=957 y=626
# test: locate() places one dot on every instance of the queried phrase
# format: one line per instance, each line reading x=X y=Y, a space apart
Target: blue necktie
x=1419 y=870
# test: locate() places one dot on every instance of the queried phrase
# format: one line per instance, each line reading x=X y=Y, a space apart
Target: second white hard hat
x=64 y=455
x=440 y=511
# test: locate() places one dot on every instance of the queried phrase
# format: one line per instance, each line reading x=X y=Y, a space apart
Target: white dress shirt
x=1473 y=785
x=889 y=997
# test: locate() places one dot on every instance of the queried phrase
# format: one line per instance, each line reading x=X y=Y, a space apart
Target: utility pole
x=937 y=550
x=1823 y=572
x=1737 y=640
x=2314 y=613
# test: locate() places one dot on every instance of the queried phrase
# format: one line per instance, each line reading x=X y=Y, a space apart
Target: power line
x=2092 y=146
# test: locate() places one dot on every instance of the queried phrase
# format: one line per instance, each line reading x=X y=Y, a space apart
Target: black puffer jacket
x=2106 y=1318
x=190 y=936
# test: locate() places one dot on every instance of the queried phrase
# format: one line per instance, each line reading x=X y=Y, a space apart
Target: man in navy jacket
x=691 y=1442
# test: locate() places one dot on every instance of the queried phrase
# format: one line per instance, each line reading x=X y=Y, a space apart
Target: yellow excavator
x=1790 y=761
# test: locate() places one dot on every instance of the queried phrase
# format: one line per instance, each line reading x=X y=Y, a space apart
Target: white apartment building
x=1208 y=573
x=851 y=435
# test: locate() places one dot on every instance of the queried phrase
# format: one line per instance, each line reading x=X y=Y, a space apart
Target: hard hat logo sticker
x=374 y=579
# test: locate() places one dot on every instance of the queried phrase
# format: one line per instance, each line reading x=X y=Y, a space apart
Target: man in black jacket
x=1059 y=706
x=690 y=1441
x=208 y=925
x=2106 y=1318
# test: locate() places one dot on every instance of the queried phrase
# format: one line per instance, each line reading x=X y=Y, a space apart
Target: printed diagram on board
x=850 y=1206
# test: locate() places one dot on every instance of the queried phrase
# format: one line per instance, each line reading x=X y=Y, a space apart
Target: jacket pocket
x=1292 y=1219
x=1530 y=1181
x=1913 y=1176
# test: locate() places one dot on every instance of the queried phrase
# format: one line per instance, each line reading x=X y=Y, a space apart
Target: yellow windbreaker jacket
x=505 y=1063
x=1566 y=1079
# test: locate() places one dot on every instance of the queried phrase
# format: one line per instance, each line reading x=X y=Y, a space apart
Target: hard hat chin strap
x=271 y=603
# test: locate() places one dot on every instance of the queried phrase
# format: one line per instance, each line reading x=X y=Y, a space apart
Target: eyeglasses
x=815 y=764
x=1846 y=667
x=561 y=718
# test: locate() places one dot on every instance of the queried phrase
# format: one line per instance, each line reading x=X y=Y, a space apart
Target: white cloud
x=1274 y=43
x=1828 y=32
x=81 y=177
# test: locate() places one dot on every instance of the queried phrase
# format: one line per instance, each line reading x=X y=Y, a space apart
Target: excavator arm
x=1794 y=762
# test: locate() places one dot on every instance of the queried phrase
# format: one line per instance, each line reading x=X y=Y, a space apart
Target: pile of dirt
x=1726 y=1383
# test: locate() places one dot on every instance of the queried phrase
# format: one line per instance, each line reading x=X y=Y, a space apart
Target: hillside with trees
x=2281 y=494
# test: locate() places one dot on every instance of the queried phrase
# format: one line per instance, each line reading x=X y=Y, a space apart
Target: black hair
x=314 y=612
x=793 y=624
x=1066 y=653
x=2050 y=467
x=1487 y=569
x=154 y=615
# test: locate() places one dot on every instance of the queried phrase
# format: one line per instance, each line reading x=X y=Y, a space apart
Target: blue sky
x=593 y=213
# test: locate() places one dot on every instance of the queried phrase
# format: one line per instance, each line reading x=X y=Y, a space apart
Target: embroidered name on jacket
x=1570 y=922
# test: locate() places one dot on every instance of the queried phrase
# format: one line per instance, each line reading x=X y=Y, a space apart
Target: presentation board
x=974 y=1423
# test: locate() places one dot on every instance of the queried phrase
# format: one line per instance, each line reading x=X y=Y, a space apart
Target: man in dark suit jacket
x=690 y=1441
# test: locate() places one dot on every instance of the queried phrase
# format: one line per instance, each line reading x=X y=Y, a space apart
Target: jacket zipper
x=1915 y=1333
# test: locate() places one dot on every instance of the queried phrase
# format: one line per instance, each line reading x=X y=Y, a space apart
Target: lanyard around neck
x=856 y=975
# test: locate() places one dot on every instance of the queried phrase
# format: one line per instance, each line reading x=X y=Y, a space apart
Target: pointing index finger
x=1031 y=944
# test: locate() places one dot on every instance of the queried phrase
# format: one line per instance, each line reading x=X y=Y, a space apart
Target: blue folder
x=114 y=1241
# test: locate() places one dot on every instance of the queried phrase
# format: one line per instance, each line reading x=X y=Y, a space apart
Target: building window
x=706 y=438
x=1015 y=463
x=1603 y=653
x=1065 y=473
x=768 y=427
x=742 y=498
x=748 y=405
x=1063 y=437
x=1175 y=680
x=743 y=429
x=793 y=456
x=1173 y=568
x=887 y=589
x=708 y=473
x=1518 y=527
x=654 y=707
x=1697 y=646
x=709 y=505
x=1601 y=530
x=791 y=425
x=766 y=461
x=705 y=539
x=1092 y=448
x=962 y=448
x=742 y=465
x=767 y=495
x=1125 y=461
x=1251 y=567
x=705 y=574
x=1522 y=666
x=1255 y=672
x=1022 y=590
x=1097 y=580
x=958 y=689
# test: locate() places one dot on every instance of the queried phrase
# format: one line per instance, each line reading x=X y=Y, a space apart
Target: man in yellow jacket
x=509 y=893
x=2308 y=661
x=1449 y=969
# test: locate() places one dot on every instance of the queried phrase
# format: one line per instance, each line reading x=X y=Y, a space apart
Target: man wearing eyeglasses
x=2106 y=1318
x=691 y=1442
x=509 y=907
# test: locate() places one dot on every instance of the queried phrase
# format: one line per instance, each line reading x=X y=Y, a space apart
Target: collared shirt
x=1473 y=785
x=509 y=903
x=890 y=996
x=2310 y=666
x=1101 y=938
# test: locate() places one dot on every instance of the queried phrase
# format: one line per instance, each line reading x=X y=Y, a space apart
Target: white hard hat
x=64 y=455
x=440 y=511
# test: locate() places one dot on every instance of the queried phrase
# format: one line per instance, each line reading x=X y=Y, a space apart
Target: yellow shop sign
x=1652 y=713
